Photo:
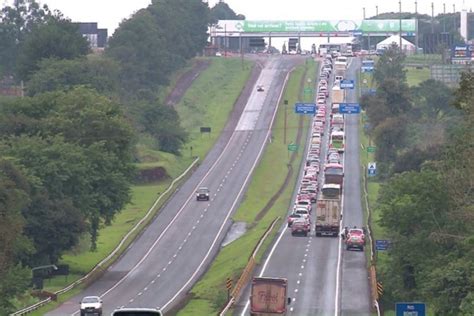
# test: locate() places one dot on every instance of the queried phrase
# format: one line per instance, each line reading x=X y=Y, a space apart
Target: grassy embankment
x=209 y=294
x=416 y=75
x=213 y=94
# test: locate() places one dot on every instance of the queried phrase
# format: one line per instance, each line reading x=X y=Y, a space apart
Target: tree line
x=425 y=141
x=68 y=147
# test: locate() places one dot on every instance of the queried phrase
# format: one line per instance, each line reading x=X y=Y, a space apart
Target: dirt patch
x=289 y=174
x=185 y=81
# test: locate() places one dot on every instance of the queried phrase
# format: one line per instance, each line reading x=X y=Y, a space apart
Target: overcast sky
x=109 y=13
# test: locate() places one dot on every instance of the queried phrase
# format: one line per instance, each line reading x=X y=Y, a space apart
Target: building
x=96 y=37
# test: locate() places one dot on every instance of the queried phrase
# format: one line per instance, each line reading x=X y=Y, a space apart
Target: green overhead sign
x=323 y=26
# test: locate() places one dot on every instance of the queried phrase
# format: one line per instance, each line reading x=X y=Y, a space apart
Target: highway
x=355 y=297
x=324 y=278
x=174 y=251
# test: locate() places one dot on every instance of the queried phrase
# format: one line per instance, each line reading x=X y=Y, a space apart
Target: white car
x=91 y=305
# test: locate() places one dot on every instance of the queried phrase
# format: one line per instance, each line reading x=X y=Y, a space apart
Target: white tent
x=407 y=47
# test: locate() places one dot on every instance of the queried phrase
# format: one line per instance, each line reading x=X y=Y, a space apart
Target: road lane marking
x=229 y=142
x=238 y=196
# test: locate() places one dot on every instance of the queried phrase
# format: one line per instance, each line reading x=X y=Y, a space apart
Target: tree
x=89 y=164
x=17 y=22
x=389 y=137
x=14 y=278
x=142 y=52
x=433 y=98
x=164 y=125
x=222 y=11
x=390 y=65
x=97 y=73
x=57 y=38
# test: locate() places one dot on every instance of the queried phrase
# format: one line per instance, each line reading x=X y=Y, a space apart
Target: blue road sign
x=367 y=68
x=347 y=84
x=382 y=244
x=349 y=108
x=410 y=309
x=356 y=33
x=305 y=108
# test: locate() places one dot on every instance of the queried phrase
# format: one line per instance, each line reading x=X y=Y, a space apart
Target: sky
x=109 y=13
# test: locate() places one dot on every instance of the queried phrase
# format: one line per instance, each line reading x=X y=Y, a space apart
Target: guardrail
x=372 y=270
x=34 y=307
x=244 y=277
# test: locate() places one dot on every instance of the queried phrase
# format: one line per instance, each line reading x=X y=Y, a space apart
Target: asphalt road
x=355 y=297
x=173 y=252
x=311 y=263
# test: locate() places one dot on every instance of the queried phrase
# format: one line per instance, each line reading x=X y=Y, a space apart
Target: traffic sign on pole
x=346 y=84
x=307 y=91
x=381 y=244
x=305 y=108
x=292 y=147
x=371 y=149
x=372 y=169
x=349 y=108
x=410 y=309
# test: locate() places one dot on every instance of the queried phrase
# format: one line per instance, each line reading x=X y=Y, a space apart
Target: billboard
x=359 y=26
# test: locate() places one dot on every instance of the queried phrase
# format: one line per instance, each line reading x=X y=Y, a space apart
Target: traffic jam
x=321 y=184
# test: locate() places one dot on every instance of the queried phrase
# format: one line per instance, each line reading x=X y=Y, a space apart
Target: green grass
x=209 y=102
x=230 y=78
x=425 y=59
x=232 y=259
x=416 y=76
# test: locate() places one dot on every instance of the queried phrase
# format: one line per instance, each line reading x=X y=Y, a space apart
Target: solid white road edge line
x=237 y=198
x=169 y=225
x=339 y=256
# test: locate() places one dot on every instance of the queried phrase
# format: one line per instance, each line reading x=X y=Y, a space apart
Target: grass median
x=209 y=295
x=223 y=81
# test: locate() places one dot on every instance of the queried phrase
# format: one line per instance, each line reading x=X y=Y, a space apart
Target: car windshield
x=90 y=299
x=203 y=190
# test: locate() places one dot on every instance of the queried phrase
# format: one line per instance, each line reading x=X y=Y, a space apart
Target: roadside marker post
x=228 y=285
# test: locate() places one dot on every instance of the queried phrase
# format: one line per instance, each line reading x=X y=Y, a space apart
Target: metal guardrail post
x=33 y=307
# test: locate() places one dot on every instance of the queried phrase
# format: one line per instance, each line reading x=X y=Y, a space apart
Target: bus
x=337 y=141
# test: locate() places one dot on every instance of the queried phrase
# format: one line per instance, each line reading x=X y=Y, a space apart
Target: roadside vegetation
x=209 y=295
x=423 y=137
x=89 y=149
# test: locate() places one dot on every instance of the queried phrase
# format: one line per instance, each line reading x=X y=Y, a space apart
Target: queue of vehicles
x=328 y=205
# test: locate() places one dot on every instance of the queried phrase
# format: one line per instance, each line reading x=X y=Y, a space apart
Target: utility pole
x=363 y=12
x=416 y=27
x=400 y=19
x=225 y=40
x=454 y=17
x=444 y=17
x=432 y=17
x=376 y=10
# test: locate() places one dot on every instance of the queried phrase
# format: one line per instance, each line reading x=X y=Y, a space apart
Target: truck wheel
x=318 y=234
x=348 y=247
x=306 y=234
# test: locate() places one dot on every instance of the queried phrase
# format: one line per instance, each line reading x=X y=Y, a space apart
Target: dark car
x=260 y=88
x=202 y=194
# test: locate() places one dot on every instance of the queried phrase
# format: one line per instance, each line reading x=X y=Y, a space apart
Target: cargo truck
x=269 y=296
x=328 y=211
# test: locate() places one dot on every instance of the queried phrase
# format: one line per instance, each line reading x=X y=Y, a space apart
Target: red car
x=292 y=217
x=354 y=238
x=301 y=226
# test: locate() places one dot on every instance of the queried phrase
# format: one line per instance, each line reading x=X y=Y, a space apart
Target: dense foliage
x=67 y=149
x=425 y=142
